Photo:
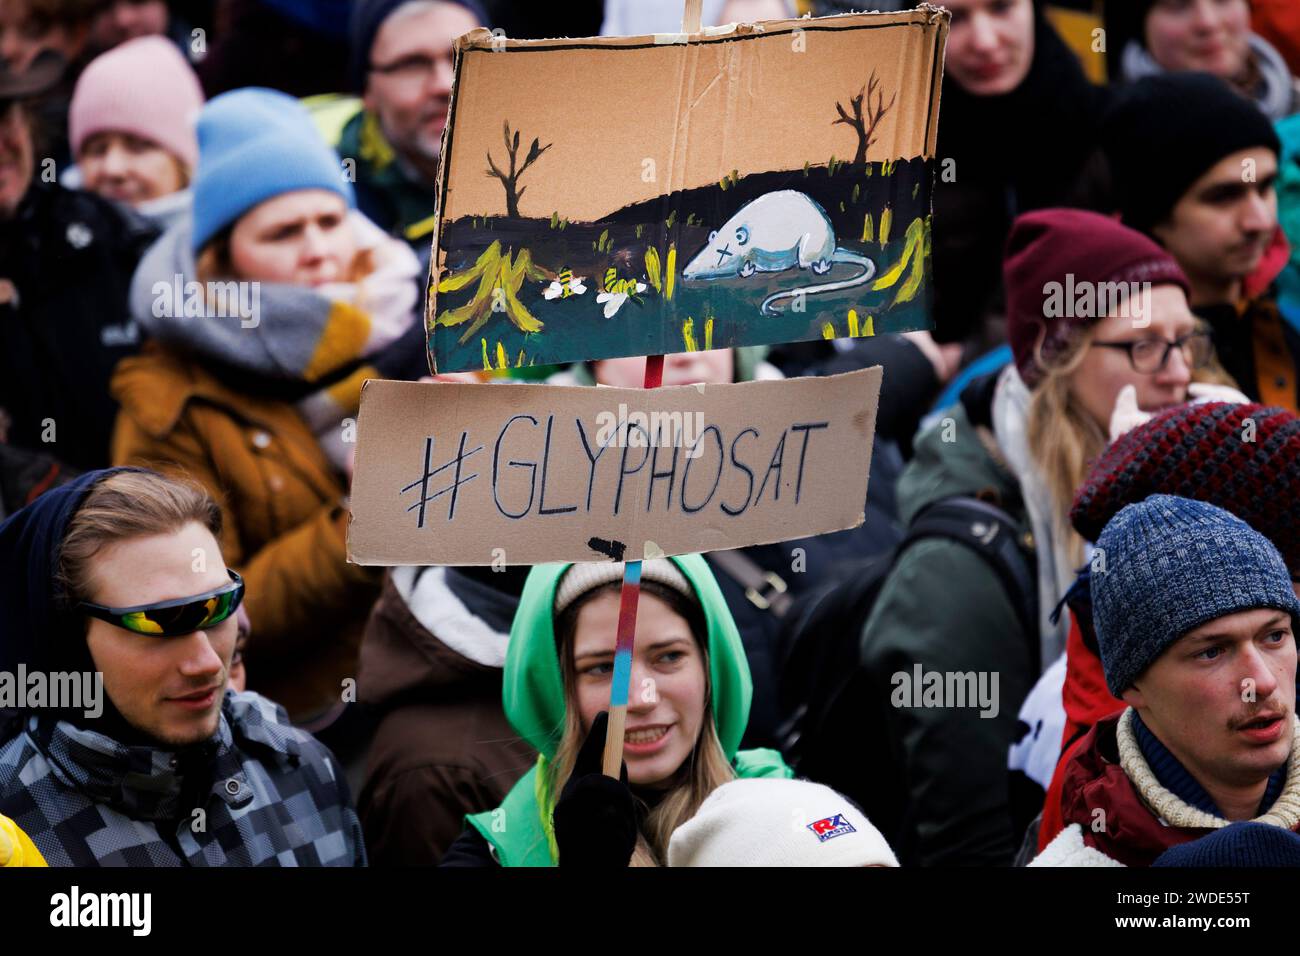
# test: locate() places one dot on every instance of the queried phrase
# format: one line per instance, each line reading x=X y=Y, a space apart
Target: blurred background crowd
x=295 y=145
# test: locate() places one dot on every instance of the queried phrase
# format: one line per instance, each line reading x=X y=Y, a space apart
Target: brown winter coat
x=443 y=747
x=284 y=514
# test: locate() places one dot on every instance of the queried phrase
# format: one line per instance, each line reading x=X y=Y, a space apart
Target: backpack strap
x=992 y=534
x=984 y=528
x=766 y=590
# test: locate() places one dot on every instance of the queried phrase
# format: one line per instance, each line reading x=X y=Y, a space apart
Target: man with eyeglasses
x=119 y=574
x=401 y=65
x=1194 y=166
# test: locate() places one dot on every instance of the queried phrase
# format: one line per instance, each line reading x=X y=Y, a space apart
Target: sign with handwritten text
x=522 y=474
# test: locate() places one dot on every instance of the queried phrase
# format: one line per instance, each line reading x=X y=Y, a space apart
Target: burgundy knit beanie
x=1244 y=459
x=1056 y=261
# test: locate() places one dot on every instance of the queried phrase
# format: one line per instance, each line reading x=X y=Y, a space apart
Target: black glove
x=597 y=818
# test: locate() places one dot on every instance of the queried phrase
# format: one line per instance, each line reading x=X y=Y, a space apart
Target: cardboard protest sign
x=523 y=474
x=647 y=195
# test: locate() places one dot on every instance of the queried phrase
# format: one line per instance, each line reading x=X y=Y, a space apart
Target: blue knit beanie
x=254 y=145
x=1239 y=844
x=1171 y=565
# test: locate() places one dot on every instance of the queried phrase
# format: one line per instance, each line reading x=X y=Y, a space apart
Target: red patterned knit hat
x=1244 y=459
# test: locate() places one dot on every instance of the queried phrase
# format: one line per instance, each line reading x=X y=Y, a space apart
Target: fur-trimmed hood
x=1115 y=809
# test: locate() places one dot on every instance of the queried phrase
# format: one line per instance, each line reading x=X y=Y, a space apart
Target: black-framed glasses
x=1152 y=355
x=416 y=66
x=175 y=618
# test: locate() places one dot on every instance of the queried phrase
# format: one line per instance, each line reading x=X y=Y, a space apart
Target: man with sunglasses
x=120 y=572
x=1194 y=166
x=400 y=65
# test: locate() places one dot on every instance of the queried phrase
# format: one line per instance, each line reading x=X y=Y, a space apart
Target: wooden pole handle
x=620 y=683
x=614 y=741
x=691 y=16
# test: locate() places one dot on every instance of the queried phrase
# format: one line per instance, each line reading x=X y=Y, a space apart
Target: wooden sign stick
x=622 y=678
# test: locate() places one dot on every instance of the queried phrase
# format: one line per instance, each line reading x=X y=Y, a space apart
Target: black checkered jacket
x=259 y=793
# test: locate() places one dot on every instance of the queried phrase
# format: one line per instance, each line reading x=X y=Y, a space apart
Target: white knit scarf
x=1056 y=569
x=1285 y=811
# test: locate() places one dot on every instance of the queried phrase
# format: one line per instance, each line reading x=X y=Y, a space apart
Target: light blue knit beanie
x=1171 y=565
x=254 y=145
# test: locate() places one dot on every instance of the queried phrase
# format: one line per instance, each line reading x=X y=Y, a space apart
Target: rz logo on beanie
x=829 y=827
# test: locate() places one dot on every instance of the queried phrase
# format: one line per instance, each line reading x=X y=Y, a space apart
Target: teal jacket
x=1288 y=214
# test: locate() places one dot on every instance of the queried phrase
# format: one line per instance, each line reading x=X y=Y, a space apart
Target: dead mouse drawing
x=778 y=231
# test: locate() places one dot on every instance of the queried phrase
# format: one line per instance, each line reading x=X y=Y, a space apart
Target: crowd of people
x=1086 y=506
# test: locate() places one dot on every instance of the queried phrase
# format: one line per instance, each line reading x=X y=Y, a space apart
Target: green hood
x=533 y=695
x=533 y=691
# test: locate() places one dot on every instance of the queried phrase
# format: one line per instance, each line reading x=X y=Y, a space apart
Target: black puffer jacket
x=66 y=260
x=999 y=156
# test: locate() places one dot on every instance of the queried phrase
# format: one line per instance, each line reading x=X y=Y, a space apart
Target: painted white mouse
x=777 y=231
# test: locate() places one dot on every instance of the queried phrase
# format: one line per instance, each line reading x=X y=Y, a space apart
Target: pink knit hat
x=143 y=87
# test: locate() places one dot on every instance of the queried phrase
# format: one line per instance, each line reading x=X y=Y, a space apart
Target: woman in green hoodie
x=687 y=710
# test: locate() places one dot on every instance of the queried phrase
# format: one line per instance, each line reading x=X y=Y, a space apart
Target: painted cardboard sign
x=523 y=474
x=647 y=195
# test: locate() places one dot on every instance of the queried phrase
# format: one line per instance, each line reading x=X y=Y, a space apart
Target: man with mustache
x=1195 y=619
x=1194 y=165
x=401 y=65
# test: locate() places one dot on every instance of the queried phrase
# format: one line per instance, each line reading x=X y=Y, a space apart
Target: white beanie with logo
x=765 y=821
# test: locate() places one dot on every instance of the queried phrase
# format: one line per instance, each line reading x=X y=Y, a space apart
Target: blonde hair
x=125 y=505
x=706 y=769
x=1065 y=440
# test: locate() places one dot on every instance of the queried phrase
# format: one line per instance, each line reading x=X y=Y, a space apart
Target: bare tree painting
x=865 y=125
x=510 y=180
